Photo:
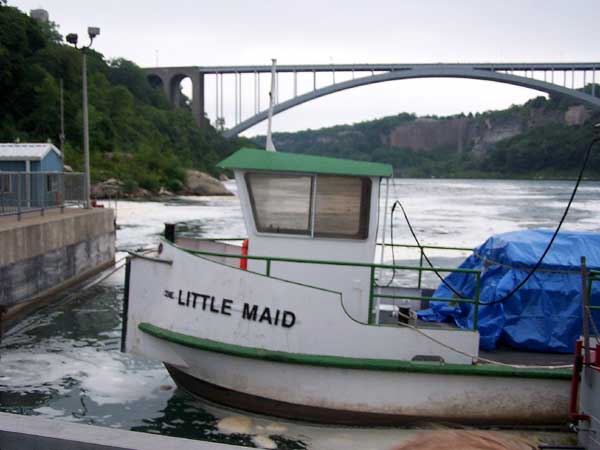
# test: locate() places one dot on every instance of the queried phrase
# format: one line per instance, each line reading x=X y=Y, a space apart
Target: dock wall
x=42 y=255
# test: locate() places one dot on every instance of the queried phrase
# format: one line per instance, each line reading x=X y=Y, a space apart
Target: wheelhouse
x=311 y=207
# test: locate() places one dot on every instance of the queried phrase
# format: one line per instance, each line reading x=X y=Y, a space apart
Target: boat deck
x=511 y=356
x=503 y=355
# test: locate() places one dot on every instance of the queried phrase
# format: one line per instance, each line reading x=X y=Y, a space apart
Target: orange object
x=244 y=261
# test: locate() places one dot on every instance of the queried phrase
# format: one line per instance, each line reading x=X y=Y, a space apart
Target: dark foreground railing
x=23 y=192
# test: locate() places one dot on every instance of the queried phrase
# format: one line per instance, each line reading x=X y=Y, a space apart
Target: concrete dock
x=41 y=255
x=34 y=433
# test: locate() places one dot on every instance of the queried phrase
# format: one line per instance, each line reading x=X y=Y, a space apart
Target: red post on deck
x=244 y=261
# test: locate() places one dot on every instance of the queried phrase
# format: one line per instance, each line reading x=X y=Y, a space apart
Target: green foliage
x=135 y=135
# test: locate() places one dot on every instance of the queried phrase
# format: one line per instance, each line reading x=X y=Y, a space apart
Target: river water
x=64 y=362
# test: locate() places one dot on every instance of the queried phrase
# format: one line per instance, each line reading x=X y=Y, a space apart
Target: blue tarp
x=545 y=314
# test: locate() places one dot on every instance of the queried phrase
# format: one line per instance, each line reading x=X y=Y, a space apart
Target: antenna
x=269 y=145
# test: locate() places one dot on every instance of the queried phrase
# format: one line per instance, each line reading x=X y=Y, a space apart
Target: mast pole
x=387 y=196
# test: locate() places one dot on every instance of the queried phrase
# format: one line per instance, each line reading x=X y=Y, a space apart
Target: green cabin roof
x=255 y=159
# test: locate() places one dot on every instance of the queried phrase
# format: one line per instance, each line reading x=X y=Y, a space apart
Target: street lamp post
x=72 y=39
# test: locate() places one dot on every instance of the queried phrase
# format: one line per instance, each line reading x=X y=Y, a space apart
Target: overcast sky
x=225 y=32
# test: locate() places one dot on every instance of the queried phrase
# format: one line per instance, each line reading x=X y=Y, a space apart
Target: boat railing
x=422 y=249
x=373 y=267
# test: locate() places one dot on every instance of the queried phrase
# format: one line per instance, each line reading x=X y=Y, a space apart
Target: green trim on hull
x=343 y=362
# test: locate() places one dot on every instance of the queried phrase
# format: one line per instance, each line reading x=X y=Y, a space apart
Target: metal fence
x=23 y=192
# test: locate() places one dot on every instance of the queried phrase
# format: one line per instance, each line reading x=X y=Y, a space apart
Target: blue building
x=40 y=184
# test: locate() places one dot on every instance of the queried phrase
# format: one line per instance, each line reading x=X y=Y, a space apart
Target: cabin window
x=321 y=206
x=342 y=207
x=280 y=203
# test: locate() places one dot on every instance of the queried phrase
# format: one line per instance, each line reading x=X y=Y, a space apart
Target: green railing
x=422 y=249
x=269 y=260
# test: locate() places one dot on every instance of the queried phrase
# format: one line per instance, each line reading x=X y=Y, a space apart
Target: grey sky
x=228 y=32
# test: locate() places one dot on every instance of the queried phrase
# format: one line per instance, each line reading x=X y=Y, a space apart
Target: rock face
x=200 y=183
x=577 y=115
x=477 y=133
x=427 y=133
x=197 y=183
x=113 y=188
x=109 y=188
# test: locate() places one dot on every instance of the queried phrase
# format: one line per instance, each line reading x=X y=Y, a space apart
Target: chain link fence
x=22 y=192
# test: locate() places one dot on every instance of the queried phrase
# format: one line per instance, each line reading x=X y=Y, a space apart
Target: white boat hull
x=333 y=395
x=325 y=366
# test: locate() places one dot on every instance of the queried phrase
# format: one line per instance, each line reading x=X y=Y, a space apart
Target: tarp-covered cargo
x=546 y=313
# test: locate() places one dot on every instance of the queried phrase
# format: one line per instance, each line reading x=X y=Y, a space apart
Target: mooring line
x=474 y=357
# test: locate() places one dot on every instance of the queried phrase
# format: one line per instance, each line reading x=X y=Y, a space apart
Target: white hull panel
x=399 y=396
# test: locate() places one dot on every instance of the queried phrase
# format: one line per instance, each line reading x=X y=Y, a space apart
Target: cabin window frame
x=364 y=211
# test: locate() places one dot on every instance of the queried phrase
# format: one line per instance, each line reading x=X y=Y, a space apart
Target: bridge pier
x=198 y=98
x=170 y=79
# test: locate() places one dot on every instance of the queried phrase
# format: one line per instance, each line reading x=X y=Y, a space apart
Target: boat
x=295 y=320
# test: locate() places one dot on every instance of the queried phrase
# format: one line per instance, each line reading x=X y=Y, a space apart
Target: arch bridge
x=574 y=80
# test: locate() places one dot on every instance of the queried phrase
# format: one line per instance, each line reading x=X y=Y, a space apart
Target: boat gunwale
x=343 y=362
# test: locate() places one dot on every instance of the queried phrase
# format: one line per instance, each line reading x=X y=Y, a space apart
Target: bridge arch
x=175 y=88
x=155 y=81
x=421 y=72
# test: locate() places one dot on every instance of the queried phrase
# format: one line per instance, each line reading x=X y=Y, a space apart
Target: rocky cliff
x=545 y=137
x=478 y=133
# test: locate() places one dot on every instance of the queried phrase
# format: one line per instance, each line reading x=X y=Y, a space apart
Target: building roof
x=255 y=159
x=23 y=152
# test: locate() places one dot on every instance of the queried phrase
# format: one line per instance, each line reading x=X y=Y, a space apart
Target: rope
x=475 y=358
x=593 y=322
x=391 y=241
x=539 y=262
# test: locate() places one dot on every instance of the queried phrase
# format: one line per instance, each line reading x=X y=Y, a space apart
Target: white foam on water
x=105 y=376
x=236 y=424
x=50 y=412
x=262 y=441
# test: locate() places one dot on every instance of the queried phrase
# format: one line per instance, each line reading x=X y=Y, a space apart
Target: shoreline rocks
x=196 y=183
x=201 y=183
